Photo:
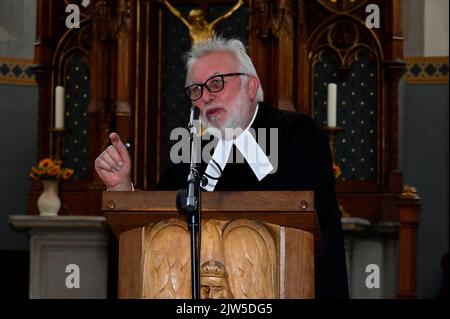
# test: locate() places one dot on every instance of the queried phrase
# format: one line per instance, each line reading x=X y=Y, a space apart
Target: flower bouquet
x=49 y=169
x=50 y=173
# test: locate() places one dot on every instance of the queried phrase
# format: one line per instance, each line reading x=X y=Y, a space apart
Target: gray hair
x=232 y=46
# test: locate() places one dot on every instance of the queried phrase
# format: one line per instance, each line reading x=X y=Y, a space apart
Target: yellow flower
x=67 y=173
x=37 y=170
x=54 y=170
x=50 y=169
x=45 y=162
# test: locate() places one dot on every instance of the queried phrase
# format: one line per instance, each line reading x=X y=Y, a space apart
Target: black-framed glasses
x=214 y=84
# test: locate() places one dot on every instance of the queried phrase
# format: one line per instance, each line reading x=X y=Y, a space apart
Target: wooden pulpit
x=253 y=244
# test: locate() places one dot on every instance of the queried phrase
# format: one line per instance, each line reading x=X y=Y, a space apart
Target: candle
x=331 y=103
x=59 y=107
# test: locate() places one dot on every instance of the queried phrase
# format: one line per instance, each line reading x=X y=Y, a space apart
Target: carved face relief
x=215 y=288
x=214 y=281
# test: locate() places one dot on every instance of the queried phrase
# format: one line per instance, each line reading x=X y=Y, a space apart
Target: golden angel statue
x=200 y=30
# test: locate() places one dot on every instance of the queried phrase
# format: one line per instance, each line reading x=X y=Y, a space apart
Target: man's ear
x=252 y=86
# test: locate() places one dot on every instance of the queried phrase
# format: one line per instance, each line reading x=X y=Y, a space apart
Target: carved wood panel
x=240 y=259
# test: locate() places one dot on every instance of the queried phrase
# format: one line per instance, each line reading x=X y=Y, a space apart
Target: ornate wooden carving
x=342 y=6
x=250 y=255
x=242 y=248
x=271 y=41
x=238 y=260
x=241 y=259
x=283 y=31
x=166 y=261
x=260 y=18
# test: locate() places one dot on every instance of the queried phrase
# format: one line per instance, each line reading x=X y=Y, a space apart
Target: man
x=222 y=82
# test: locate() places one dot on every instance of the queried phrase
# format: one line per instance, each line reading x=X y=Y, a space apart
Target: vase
x=48 y=202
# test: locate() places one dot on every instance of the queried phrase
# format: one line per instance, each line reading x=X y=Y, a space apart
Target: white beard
x=234 y=124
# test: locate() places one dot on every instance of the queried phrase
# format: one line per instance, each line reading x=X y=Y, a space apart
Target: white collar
x=249 y=148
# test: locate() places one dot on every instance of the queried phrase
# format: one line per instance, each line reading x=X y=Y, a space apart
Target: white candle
x=331 y=104
x=59 y=107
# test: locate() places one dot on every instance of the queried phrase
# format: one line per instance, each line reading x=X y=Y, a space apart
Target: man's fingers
x=118 y=144
x=109 y=161
x=115 y=138
x=112 y=152
x=101 y=164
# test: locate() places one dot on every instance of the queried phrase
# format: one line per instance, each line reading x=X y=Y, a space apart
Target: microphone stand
x=194 y=225
x=189 y=202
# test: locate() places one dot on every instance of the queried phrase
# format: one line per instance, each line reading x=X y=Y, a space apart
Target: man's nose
x=207 y=97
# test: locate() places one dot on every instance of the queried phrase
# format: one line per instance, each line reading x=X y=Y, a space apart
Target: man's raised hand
x=113 y=165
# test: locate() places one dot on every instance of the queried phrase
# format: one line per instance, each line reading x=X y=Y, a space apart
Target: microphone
x=181 y=201
x=194 y=122
x=196 y=131
x=194 y=128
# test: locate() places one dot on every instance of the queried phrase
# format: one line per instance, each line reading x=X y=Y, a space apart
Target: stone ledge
x=27 y=222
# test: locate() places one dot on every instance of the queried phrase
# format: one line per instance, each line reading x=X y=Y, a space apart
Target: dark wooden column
x=43 y=55
x=123 y=36
x=394 y=68
x=259 y=44
x=271 y=43
x=145 y=81
x=283 y=29
x=302 y=83
x=409 y=207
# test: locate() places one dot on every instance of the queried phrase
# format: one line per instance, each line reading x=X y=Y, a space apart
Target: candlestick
x=59 y=107
x=56 y=143
x=332 y=132
x=331 y=104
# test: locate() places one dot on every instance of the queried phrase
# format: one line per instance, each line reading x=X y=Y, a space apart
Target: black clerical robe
x=304 y=163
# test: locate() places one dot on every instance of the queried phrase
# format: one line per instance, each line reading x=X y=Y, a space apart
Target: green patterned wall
x=356 y=112
x=77 y=87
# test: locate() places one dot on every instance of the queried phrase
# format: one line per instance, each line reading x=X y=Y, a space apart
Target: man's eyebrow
x=196 y=83
x=213 y=75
